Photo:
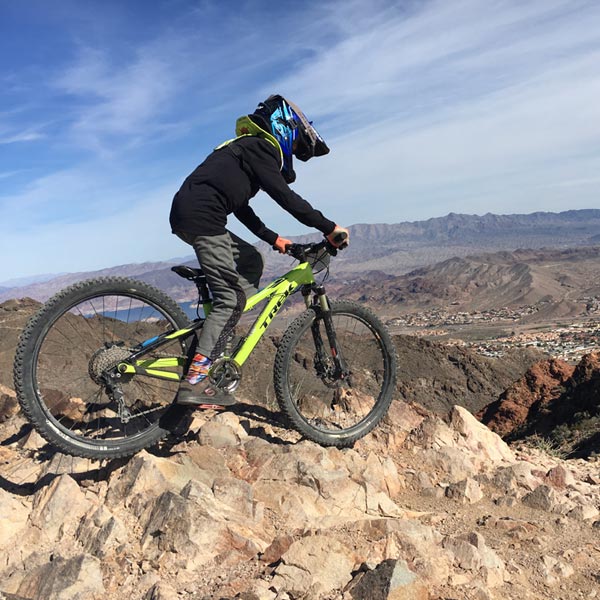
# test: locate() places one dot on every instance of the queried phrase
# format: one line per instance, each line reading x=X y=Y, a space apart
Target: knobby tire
x=28 y=388
x=293 y=355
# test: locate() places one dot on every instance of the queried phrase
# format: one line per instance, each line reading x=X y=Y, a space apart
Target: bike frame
x=277 y=292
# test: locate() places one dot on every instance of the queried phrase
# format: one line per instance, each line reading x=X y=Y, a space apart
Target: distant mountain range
x=562 y=282
x=392 y=249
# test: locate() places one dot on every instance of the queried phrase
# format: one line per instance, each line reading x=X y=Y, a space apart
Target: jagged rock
x=542 y=498
x=472 y=554
x=460 y=449
x=307 y=488
x=400 y=420
x=390 y=580
x=465 y=554
x=161 y=591
x=78 y=578
x=277 y=548
x=195 y=527
x=100 y=532
x=58 y=508
x=541 y=384
x=169 y=530
x=233 y=421
x=467 y=491
x=493 y=568
x=483 y=443
x=559 y=478
x=236 y=494
x=314 y=565
x=14 y=514
x=32 y=441
x=421 y=546
x=524 y=477
x=381 y=473
x=262 y=591
x=218 y=435
x=553 y=570
x=146 y=476
x=9 y=406
x=584 y=512
x=211 y=464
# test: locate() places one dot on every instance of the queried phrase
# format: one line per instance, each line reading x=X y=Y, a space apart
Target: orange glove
x=281 y=244
x=339 y=237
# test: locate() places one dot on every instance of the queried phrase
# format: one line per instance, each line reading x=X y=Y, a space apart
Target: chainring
x=226 y=374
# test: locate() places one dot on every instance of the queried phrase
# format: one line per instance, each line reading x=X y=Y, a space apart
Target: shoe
x=203 y=395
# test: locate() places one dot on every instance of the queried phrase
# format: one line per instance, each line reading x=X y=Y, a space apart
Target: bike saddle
x=187 y=272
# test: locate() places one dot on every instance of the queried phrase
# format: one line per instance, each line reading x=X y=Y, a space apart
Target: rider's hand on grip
x=281 y=244
x=339 y=237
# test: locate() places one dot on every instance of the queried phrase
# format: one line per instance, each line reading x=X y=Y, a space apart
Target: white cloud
x=23 y=136
x=429 y=107
x=459 y=107
x=120 y=101
x=139 y=232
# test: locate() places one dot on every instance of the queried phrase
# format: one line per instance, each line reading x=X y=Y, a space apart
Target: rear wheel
x=65 y=367
x=330 y=405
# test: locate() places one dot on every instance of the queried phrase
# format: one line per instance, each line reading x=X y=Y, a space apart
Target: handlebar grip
x=339 y=240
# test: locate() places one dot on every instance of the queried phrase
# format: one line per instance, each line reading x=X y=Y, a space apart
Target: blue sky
x=429 y=107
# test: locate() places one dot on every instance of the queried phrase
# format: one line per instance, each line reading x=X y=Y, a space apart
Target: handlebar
x=299 y=251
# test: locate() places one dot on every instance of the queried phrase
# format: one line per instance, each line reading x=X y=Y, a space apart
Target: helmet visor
x=308 y=143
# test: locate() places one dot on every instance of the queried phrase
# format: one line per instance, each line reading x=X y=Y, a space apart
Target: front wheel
x=335 y=396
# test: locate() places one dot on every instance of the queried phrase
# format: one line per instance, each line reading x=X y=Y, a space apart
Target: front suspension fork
x=322 y=307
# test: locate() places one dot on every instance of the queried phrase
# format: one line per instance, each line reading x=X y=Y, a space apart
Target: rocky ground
x=424 y=508
x=432 y=505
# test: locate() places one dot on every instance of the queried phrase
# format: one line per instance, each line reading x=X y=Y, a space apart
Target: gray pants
x=233 y=268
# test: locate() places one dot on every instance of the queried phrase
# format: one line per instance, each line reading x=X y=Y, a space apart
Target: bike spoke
x=89 y=339
x=328 y=400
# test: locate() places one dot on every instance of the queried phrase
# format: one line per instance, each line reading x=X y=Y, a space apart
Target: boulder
x=58 y=509
x=390 y=580
x=471 y=553
x=487 y=446
x=146 y=476
x=101 y=532
x=77 y=578
x=466 y=491
x=14 y=514
x=314 y=566
x=542 y=498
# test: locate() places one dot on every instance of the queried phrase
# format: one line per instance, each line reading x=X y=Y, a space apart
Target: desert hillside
x=545 y=277
x=390 y=248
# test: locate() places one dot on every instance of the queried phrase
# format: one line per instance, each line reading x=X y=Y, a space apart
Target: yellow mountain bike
x=97 y=368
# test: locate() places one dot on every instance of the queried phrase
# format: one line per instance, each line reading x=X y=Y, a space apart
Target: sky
x=428 y=106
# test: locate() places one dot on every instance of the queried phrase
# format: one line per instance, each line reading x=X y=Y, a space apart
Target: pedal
x=211 y=407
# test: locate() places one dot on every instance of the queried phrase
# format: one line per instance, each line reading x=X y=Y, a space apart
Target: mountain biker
x=260 y=158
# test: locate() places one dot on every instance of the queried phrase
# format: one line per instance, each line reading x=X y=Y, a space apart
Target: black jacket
x=225 y=182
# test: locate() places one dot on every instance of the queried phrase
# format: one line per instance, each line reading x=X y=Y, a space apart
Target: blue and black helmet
x=294 y=132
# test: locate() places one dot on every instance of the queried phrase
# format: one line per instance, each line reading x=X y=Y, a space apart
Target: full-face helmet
x=294 y=132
